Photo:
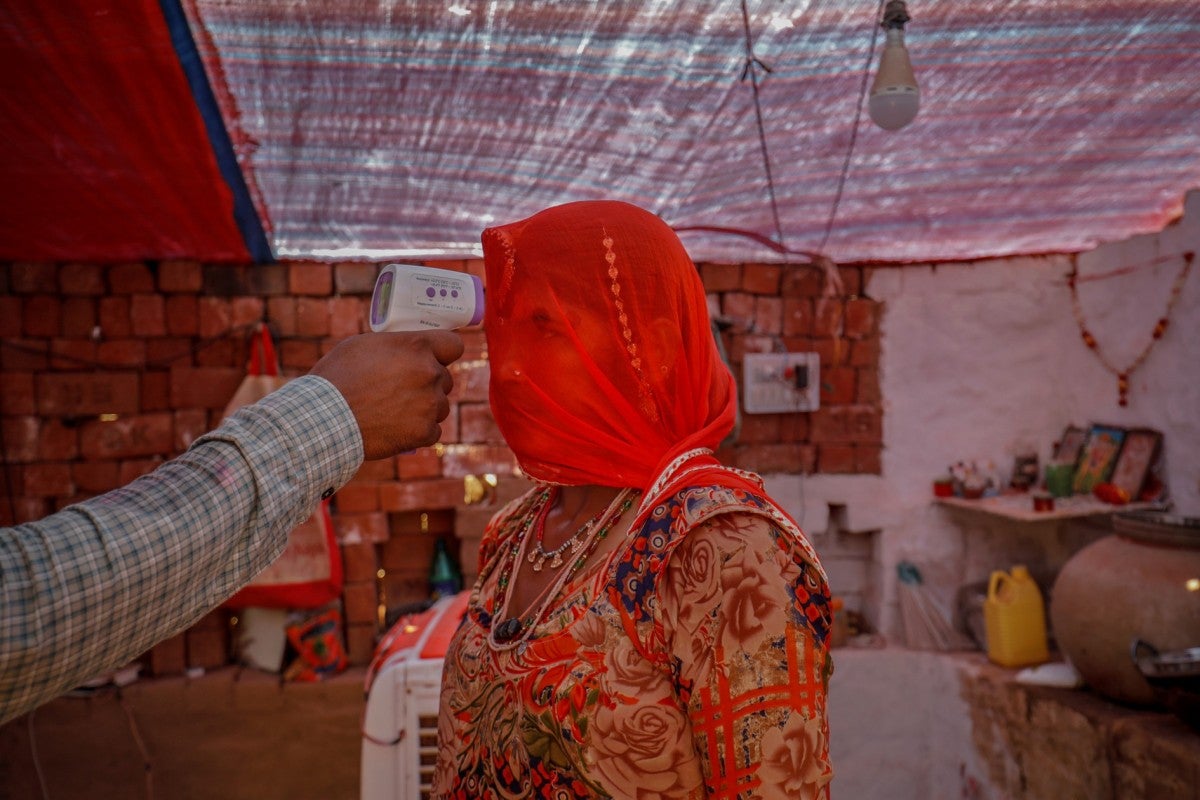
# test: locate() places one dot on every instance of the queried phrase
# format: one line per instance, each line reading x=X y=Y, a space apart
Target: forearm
x=93 y=586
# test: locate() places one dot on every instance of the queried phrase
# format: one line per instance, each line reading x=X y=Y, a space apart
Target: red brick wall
x=164 y=345
x=770 y=306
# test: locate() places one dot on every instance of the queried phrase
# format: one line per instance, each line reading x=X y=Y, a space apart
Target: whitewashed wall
x=982 y=360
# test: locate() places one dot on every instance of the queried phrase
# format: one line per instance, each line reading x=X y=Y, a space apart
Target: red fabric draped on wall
x=103 y=153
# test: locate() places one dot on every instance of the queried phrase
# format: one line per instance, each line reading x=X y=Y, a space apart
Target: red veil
x=604 y=366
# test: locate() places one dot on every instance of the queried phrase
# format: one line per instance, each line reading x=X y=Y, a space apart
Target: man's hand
x=396 y=384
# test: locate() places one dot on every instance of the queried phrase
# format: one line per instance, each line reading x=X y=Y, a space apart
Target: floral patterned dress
x=693 y=663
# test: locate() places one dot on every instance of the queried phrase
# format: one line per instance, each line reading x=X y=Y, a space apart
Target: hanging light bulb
x=895 y=97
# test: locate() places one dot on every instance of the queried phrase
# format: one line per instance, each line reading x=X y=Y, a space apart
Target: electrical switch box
x=780 y=382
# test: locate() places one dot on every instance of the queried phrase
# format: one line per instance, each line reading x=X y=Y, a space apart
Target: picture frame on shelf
x=1137 y=456
x=1025 y=472
x=1068 y=448
x=1098 y=457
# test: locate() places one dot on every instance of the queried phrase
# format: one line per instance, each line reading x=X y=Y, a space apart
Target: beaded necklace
x=516 y=630
x=536 y=509
x=1160 y=328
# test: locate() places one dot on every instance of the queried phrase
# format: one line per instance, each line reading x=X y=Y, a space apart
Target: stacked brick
x=772 y=307
x=109 y=370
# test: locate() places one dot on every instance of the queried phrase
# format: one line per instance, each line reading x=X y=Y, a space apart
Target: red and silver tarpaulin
x=368 y=130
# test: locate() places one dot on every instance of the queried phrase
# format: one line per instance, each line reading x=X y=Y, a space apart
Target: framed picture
x=1067 y=449
x=1025 y=472
x=1098 y=458
x=1135 y=459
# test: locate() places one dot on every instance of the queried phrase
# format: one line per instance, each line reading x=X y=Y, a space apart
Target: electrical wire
x=750 y=70
x=147 y=765
x=37 y=762
x=753 y=63
x=862 y=93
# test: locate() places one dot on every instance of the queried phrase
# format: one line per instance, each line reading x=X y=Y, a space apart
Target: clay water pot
x=1140 y=583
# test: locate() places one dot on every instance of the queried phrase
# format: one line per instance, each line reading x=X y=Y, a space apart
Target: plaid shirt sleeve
x=93 y=586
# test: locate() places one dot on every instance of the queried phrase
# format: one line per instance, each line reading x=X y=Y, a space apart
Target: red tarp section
x=104 y=153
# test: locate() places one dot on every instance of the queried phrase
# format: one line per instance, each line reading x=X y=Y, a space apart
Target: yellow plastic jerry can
x=1014 y=618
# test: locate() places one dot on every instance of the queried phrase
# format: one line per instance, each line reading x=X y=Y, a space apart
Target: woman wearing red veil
x=647 y=622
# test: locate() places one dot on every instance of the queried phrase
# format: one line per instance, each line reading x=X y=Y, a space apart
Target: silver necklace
x=538 y=555
x=515 y=631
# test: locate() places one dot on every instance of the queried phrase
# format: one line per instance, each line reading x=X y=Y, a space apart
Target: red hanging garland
x=1160 y=328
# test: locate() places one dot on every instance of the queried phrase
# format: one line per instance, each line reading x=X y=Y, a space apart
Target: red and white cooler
x=399 y=749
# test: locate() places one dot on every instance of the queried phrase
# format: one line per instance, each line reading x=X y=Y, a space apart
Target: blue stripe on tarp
x=244 y=212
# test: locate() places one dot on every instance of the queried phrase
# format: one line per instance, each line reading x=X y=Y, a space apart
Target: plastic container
x=1014 y=618
x=445 y=578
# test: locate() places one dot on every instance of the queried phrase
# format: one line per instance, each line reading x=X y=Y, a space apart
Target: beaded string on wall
x=1160 y=327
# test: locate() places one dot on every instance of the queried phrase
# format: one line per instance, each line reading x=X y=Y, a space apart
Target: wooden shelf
x=1019 y=507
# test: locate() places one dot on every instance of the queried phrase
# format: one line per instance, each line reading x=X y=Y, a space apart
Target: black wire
x=751 y=69
x=862 y=92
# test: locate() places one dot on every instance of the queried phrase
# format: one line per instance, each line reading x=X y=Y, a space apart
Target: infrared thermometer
x=408 y=297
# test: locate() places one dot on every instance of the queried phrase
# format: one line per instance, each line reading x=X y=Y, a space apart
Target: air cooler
x=399 y=748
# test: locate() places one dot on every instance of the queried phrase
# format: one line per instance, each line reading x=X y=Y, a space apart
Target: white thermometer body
x=408 y=297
